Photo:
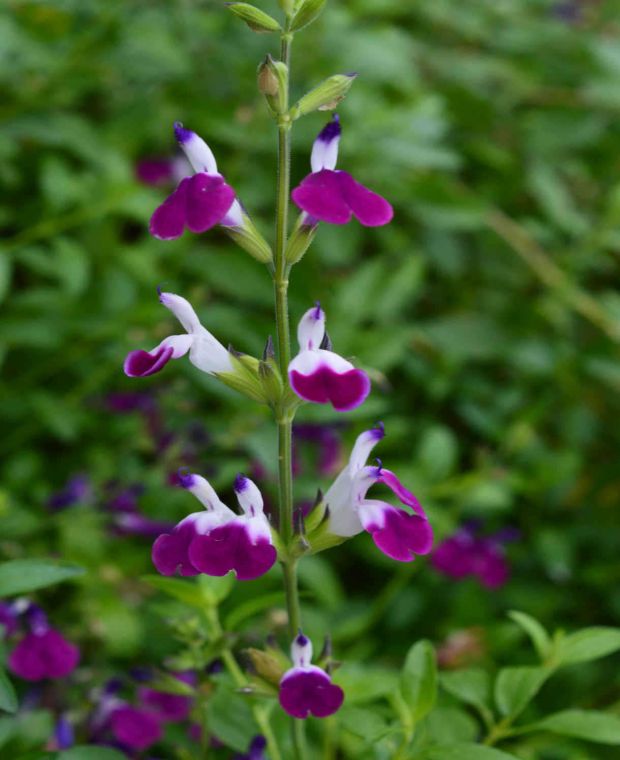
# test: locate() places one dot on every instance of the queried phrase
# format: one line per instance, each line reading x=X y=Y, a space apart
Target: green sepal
x=249 y=238
x=300 y=240
x=271 y=380
x=257 y=20
x=325 y=97
x=308 y=11
x=244 y=378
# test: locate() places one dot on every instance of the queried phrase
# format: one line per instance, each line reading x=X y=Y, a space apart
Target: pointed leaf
x=538 y=635
x=592 y=725
x=588 y=644
x=516 y=687
x=472 y=686
x=20 y=576
x=418 y=682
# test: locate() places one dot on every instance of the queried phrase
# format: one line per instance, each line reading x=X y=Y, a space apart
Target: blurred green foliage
x=486 y=313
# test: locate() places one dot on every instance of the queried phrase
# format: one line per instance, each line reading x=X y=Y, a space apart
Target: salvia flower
x=44 y=652
x=217 y=540
x=199 y=202
x=397 y=532
x=467 y=553
x=333 y=196
x=134 y=727
x=306 y=689
x=322 y=376
x=205 y=351
x=77 y=490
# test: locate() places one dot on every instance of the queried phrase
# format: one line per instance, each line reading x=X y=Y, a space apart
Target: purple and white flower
x=205 y=351
x=306 y=689
x=44 y=652
x=256 y=750
x=397 y=532
x=199 y=202
x=217 y=540
x=322 y=376
x=333 y=196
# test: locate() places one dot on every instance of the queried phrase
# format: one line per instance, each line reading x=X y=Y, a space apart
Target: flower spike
x=398 y=533
x=323 y=376
x=333 y=196
x=217 y=540
x=205 y=352
x=306 y=689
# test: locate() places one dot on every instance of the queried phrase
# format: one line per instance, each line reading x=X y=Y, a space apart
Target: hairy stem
x=285 y=418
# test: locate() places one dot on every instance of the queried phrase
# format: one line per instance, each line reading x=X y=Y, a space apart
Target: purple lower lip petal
x=402 y=535
x=304 y=693
x=142 y=363
x=344 y=391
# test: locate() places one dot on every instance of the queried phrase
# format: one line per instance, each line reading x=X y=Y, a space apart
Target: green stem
x=285 y=418
x=232 y=666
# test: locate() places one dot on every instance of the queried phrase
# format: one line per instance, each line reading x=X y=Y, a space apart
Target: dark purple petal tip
x=241 y=483
x=186 y=479
x=301 y=640
x=331 y=130
x=182 y=135
x=379 y=431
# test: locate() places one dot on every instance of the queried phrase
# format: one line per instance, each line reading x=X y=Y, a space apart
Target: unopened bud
x=301 y=238
x=267 y=666
x=324 y=97
x=307 y=12
x=257 y=20
x=268 y=83
x=273 y=83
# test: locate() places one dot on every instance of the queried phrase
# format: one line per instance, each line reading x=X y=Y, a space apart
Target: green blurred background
x=486 y=312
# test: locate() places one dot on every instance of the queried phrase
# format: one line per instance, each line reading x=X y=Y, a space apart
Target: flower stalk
x=284 y=414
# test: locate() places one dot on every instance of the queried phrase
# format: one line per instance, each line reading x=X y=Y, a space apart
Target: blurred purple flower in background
x=467 y=553
x=77 y=490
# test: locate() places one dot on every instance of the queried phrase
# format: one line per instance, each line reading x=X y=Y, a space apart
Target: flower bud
x=267 y=79
x=324 y=97
x=272 y=83
x=307 y=12
x=301 y=238
x=267 y=665
x=247 y=236
x=257 y=20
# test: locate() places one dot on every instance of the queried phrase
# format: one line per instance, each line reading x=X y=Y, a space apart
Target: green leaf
x=216 y=589
x=588 y=644
x=20 y=576
x=257 y=20
x=516 y=687
x=308 y=12
x=464 y=752
x=472 y=686
x=538 y=635
x=8 y=698
x=451 y=724
x=594 y=726
x=366 y=724
x=230 y=718
x=90 y=753
x=418 y=681
x=187 y=591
